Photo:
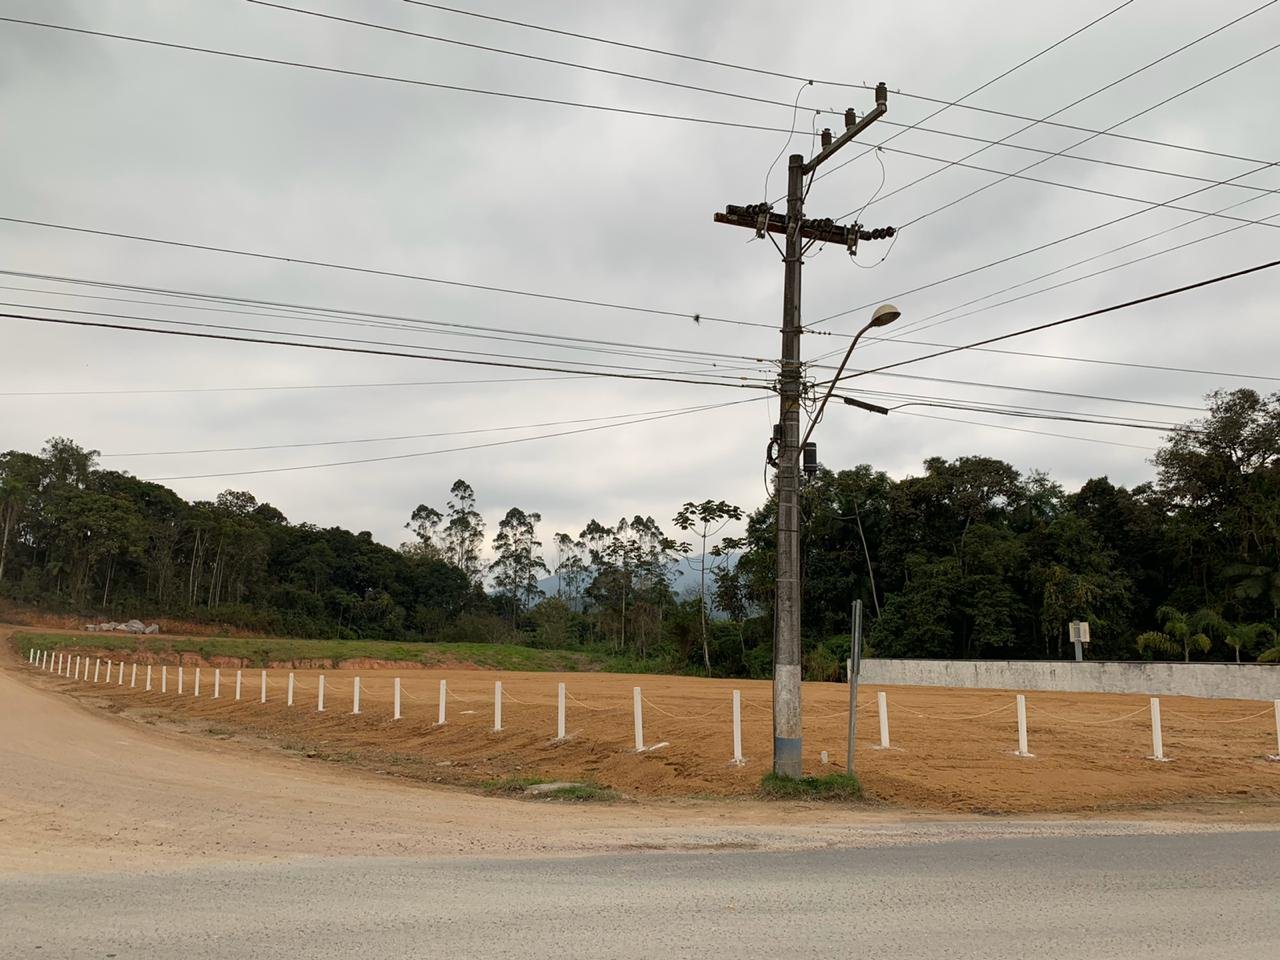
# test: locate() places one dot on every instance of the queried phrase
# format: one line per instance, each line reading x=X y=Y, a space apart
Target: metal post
x=787 y=736
x=855 y=668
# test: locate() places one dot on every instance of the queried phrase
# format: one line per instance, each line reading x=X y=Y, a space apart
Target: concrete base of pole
x=786 y=756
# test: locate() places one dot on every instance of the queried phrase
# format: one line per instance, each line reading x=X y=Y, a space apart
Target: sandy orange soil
x=953 y=750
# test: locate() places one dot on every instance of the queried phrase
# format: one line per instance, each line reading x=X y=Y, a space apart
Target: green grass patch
x=518 y=786
x=256 y=651
x=832 y=786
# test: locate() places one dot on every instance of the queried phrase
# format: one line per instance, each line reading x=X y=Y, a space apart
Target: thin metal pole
x=855 y=667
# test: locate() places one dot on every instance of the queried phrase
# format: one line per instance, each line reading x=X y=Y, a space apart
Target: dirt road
x=83 y=789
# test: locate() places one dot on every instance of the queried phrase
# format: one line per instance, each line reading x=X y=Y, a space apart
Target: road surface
x=1171 y=897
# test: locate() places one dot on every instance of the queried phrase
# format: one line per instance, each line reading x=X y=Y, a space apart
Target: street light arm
x=817 y=417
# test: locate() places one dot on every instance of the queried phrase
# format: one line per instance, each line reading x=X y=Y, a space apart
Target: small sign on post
x=1079 y=637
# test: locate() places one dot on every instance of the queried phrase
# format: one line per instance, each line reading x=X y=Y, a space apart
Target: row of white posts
x=63 y=665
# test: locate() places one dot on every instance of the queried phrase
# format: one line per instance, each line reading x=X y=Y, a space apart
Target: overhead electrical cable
x=1079 y=143
x=433 y=453
x=338 y=348
x=410 y=436
x=1022 y=253
x=333 y=265
x=760 y=71
x=1041 y=433
x=357 y=340
x=1149 y=298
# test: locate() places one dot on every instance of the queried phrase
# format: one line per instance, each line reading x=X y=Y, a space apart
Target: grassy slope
x=499 y=656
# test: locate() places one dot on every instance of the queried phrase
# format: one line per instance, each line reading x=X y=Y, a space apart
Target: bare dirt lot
x=953 y=749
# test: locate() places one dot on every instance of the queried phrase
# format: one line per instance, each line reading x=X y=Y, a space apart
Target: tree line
x=971 y=558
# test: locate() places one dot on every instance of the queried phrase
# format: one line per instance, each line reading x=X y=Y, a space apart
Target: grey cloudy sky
x=116 y=136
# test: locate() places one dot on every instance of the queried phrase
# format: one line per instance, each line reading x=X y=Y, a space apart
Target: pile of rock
x=131 y=626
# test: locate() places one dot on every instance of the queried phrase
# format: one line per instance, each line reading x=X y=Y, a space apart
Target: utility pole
x=800 y=235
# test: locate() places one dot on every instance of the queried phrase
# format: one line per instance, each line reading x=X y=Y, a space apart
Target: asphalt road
x=1174 y=896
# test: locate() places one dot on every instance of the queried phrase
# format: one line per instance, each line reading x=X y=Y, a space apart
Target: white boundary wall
x=1247 y=681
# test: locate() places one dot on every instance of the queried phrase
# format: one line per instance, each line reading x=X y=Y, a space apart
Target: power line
x=384 y=343
x=137 y=391
x=1029 y=415
x=371 y=352
x=1017 y=407
x=1023 y=253
x=1080 y=143
x=411 y=436
x=332 y=265
x=833 y=83
x=1079 y=316
x=1041 y=433
x=416 y=325
x=433 y=453
x=904 y=128
x=923 y=322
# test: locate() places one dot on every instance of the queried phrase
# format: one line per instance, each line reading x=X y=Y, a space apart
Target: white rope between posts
x=584 y=706
x=976 y=716
x=1090 y=723
x=673 y=716
x=1253 y=716
x=507 y=695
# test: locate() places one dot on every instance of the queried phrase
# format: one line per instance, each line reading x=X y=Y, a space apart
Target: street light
x=882 y=316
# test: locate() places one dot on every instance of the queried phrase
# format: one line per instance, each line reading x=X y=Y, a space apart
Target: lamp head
x=884 y=315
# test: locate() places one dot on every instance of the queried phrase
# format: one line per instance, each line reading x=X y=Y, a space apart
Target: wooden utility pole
x=800 y=235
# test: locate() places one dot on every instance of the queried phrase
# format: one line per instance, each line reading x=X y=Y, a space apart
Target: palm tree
x=1256 y=582
x=1254 y=635
x=1180 y=633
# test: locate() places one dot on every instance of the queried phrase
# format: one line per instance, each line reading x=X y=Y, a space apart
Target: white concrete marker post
x=147 y=687
x=497 y=705
x=395 y=700
x=164 y=678
x=195 y=690
x=76 y=675
x=180 y=679
x=882 y=703
x=355 y=695
x=1276 y=758
x=1022 y=728
x=238 y=684
x=1157 y=736
x=217 y=682
x=320 y=695
x=120 y=675
x=97 y=665
x=133 y=675
x=560 y=714
x=737 y=729
x=108 y=677
x=31 y=655
x=262 y=689
x=289 y=696
x=443 y=697
x=637 y=713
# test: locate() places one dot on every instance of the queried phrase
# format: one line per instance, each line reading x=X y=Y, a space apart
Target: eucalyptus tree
x=705 y=520
x=518 y=560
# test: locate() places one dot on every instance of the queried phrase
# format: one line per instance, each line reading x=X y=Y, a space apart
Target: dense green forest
x=971 y=558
